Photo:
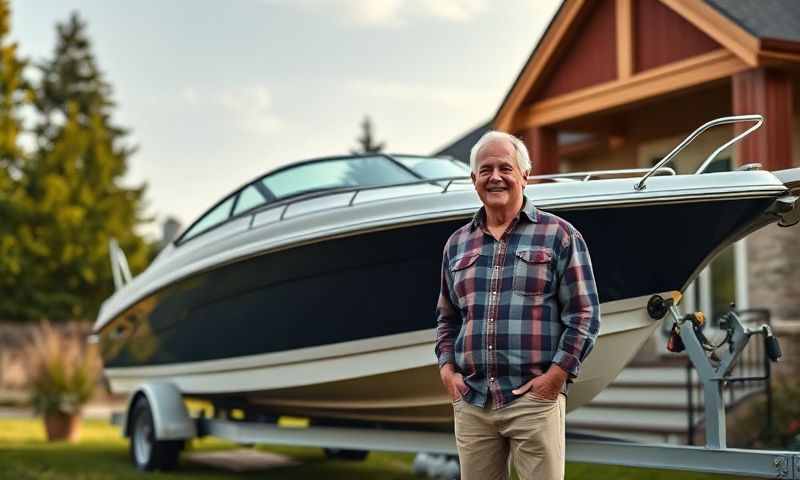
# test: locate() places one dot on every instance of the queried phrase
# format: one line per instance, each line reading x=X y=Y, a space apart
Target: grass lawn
x=102 y=454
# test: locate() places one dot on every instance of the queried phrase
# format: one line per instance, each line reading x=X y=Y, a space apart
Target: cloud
x=454 y=10
x=249 y=106
x=390 y=13
x=451 y=97
x=253 y=105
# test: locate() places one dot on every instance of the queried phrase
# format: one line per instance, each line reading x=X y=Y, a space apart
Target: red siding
x=769 y=93
x=542 y=143
x=661 y=36
x=589 y=58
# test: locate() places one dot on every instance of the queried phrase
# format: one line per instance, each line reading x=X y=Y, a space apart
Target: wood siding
x=587 y=59
x=770 y=93
x=542 y=143
x=661 y=36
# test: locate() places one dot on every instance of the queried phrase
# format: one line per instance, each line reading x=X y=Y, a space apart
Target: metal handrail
x=758 y=119
x=119 y=264
x=586 y=176
x=448 y=181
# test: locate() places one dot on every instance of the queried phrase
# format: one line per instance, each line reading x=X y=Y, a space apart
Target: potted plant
x=64 y=373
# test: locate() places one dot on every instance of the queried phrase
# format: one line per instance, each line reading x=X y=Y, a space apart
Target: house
x=617 y=84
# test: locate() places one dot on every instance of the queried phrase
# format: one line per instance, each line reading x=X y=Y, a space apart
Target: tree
x=366 y=142
x=14 y=93
x=75 y=202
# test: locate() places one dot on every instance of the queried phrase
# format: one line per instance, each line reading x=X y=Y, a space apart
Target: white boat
x=310 y=291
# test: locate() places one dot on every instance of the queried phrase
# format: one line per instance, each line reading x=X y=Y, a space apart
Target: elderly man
x=517 y=314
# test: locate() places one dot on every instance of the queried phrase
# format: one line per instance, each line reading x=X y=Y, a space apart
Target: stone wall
x=774 y=283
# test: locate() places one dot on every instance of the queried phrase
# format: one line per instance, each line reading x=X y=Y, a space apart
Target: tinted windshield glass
x=340 y=173
x=249 y=198
x=434 y=167
x=212 y=218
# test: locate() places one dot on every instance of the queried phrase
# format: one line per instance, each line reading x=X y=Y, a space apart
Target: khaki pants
x=530 y=429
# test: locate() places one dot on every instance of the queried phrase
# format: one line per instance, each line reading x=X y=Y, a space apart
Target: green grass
x=103 y=455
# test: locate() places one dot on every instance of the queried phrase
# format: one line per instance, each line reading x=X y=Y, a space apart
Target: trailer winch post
x=713 y=377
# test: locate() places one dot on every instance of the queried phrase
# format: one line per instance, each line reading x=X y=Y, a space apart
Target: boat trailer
x=157 y=436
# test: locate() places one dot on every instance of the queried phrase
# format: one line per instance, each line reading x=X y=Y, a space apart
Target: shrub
x=785 y=431
x=64 y=370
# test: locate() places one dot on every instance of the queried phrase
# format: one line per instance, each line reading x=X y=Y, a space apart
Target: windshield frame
x=181 y=240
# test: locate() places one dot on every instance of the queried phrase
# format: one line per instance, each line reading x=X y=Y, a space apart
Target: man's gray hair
x=522 y=157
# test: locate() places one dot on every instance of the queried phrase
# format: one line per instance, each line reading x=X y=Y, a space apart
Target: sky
x=216 y=93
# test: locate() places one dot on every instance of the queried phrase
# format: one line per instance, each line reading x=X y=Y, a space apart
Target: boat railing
x=659 y=168
x=446 y=182
x=757 y=119
x=591 y=175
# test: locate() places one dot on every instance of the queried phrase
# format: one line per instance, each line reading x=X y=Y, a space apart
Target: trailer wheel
x=345 y=454
x=146 y=452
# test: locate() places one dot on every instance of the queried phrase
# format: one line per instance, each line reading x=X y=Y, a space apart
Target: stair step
x=641 y=437
x=636 y=420
x=659 y=398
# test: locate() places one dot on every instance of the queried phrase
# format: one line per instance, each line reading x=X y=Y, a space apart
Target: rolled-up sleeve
x=448 y=318
x=580 y=308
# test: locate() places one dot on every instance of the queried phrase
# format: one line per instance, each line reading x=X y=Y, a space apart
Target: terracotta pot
x=62 y=427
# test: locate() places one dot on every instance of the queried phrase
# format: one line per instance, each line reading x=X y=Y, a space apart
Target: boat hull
x=392 y=379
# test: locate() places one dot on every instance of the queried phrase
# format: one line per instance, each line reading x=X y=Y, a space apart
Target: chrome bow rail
x=758 y=119
x=586 y=176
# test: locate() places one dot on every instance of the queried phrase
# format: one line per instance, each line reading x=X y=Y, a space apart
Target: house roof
x=778 y=19
x=751 y=33
x=460 y=148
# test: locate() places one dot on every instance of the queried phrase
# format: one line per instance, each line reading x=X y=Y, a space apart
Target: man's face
x=498 y=179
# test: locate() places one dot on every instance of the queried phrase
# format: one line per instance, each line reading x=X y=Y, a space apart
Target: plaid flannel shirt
x=509 y=308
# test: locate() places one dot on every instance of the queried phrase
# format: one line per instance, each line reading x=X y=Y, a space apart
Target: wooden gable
x=587 y=59
x=661 y=36
x=602 y=54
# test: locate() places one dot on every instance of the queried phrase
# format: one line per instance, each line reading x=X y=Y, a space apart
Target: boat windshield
x=337 y=173
x=328 y=174
x=427 y=167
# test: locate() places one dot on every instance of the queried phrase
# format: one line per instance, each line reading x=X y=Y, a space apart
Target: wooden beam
x=536 y=64
x=770 y=93
x=768 y=58
x=624 y=16
x=642 y=86
x=719 y=27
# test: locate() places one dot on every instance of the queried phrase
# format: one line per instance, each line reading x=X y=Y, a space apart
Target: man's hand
x=546 y=386
x=453 y=382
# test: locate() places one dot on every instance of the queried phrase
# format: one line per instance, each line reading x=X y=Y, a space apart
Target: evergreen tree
x=13 y=95
x=366 y=142
x=72 y=184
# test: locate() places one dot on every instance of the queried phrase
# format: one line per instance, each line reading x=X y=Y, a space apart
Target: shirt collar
x=527 y=211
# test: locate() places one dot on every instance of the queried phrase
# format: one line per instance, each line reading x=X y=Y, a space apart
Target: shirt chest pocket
x=464 y=270
x=533 y=271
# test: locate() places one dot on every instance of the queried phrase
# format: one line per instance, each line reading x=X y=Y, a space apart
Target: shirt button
x=491 y=320
x=491 y=379
x=490 y=347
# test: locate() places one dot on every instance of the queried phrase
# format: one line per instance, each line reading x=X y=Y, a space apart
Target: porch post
x=542 y=146
x=769 y=93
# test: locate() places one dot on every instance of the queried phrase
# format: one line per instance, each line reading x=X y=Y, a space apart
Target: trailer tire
x=147 y=453
x=346 y=454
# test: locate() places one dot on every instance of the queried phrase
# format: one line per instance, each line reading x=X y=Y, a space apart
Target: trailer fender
x=170 y=417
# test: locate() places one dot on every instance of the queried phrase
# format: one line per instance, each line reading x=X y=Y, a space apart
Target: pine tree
x=366 y=142
x=72 y=183
x=14 y=93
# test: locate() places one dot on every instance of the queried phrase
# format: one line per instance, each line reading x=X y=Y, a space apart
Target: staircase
x=648 y=402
